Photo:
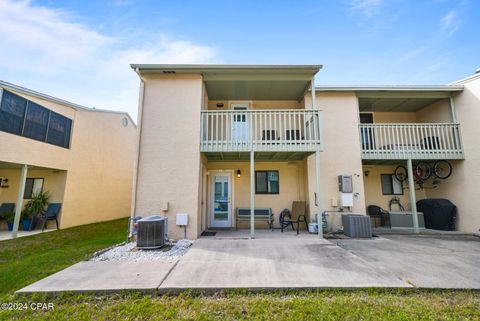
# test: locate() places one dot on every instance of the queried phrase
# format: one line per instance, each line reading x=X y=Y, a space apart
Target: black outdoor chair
x=297 y=216
x=51 y=213
x=376 y=211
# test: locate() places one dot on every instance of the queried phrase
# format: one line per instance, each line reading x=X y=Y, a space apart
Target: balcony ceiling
x=245 y=82
x=395 y=98
x=394 y=104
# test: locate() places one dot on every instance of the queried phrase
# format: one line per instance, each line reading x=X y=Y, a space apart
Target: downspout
x=137 y=159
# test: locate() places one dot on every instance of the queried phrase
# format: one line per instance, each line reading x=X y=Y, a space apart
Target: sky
x=81 y=50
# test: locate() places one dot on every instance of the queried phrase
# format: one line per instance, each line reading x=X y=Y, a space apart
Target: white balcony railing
x=416 y=141
x=260 y=130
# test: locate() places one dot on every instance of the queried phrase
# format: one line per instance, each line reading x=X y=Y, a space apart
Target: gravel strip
x=129 y=252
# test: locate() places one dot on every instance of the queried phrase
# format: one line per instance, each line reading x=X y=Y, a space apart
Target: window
x=59 y=129
x=390 y=185
x=36 y=122
x=32 y=187
x=267 y=182
x=25 y=118
x=12 y=113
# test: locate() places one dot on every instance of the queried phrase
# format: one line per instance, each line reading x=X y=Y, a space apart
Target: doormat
x=208 y=233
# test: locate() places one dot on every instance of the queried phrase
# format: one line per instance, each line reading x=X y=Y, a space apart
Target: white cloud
x=46 y=50
x=450 y=23
x=367 y=8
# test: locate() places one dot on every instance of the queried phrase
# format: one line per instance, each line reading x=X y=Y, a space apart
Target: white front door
x=221 y=208
x=240 y=123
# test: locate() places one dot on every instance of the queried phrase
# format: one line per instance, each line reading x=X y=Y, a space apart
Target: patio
x=275 y=260
x=7 y=235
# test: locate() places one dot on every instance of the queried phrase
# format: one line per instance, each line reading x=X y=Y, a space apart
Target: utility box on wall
x=345 y=184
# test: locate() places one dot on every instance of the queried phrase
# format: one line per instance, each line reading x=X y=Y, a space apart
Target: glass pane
x=12 y=112
x=386 y=180
x=36 y=122
x=37 y=186
x=220 y=210
x=261 y=182
x=273 y=187
x=397 y=186
x=28 y=188
x=59 y=130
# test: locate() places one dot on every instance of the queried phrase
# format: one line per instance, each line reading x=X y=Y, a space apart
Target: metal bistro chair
x=297 y=216
x=51 y=213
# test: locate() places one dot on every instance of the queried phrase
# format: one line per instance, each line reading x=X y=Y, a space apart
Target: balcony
x=414 y=141
x=286 y=130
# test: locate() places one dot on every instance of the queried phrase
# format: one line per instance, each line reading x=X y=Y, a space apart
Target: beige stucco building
x=215 y=138
x=83 y=157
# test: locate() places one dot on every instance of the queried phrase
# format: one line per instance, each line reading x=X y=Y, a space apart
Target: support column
x=319 y=198
x=312 y=87
x=453 y=111
x=252 y=194
x=413 y=201
x=19 y=204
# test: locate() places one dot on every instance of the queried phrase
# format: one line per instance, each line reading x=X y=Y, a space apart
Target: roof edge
x=60 y=101
x=214 y=67
x=392 y=88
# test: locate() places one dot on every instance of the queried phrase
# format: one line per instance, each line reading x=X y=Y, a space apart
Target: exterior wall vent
x=169 y=72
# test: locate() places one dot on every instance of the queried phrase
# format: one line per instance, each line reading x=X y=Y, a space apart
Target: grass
x=29 y=259
x=279 y=305
x=25 y=260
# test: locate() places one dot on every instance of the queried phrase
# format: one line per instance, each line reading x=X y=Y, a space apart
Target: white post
x=252 y=194
x=453 y=112
x=312 y=87
x=317 y=167
x=413 y=203
x=19 y=205
x=319 y=198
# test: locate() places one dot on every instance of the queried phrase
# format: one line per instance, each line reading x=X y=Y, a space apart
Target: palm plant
x=36 y=205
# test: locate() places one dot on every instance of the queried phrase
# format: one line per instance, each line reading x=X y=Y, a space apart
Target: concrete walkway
x=276 y=260
x=104 y=277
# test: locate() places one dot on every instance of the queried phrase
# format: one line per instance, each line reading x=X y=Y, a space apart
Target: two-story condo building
x=216 y=138
x=82 y=156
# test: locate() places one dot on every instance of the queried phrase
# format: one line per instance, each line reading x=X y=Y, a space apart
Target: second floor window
x=23 y=117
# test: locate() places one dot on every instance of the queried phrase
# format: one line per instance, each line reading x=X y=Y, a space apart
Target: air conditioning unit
x=355 y=225
x=152 y=232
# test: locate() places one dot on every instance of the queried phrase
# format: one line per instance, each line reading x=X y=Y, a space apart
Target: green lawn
x=26 y=260
x=29 y=259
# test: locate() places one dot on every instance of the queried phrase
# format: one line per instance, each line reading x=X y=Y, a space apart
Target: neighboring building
x=84 y=157
x=214 y=138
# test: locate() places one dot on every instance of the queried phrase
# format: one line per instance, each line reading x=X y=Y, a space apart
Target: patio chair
x=375 y=211
x=298 y=215
x=6 y=208
x=51 y=213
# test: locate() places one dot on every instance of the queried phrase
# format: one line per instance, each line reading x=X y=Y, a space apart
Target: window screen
x=32 y=187
x=36 y=122
x=23 y=117
x=59 y=130
x=390 y=185
x=12 y=113
x=267 y=182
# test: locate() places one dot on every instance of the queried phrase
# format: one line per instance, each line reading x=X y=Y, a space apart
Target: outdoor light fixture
x=239 y=173
x=220 y=105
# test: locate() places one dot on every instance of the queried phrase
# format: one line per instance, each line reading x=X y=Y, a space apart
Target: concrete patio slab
x=111 y=276
x=428 y=261
x=7 y=235
x=265 y=263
